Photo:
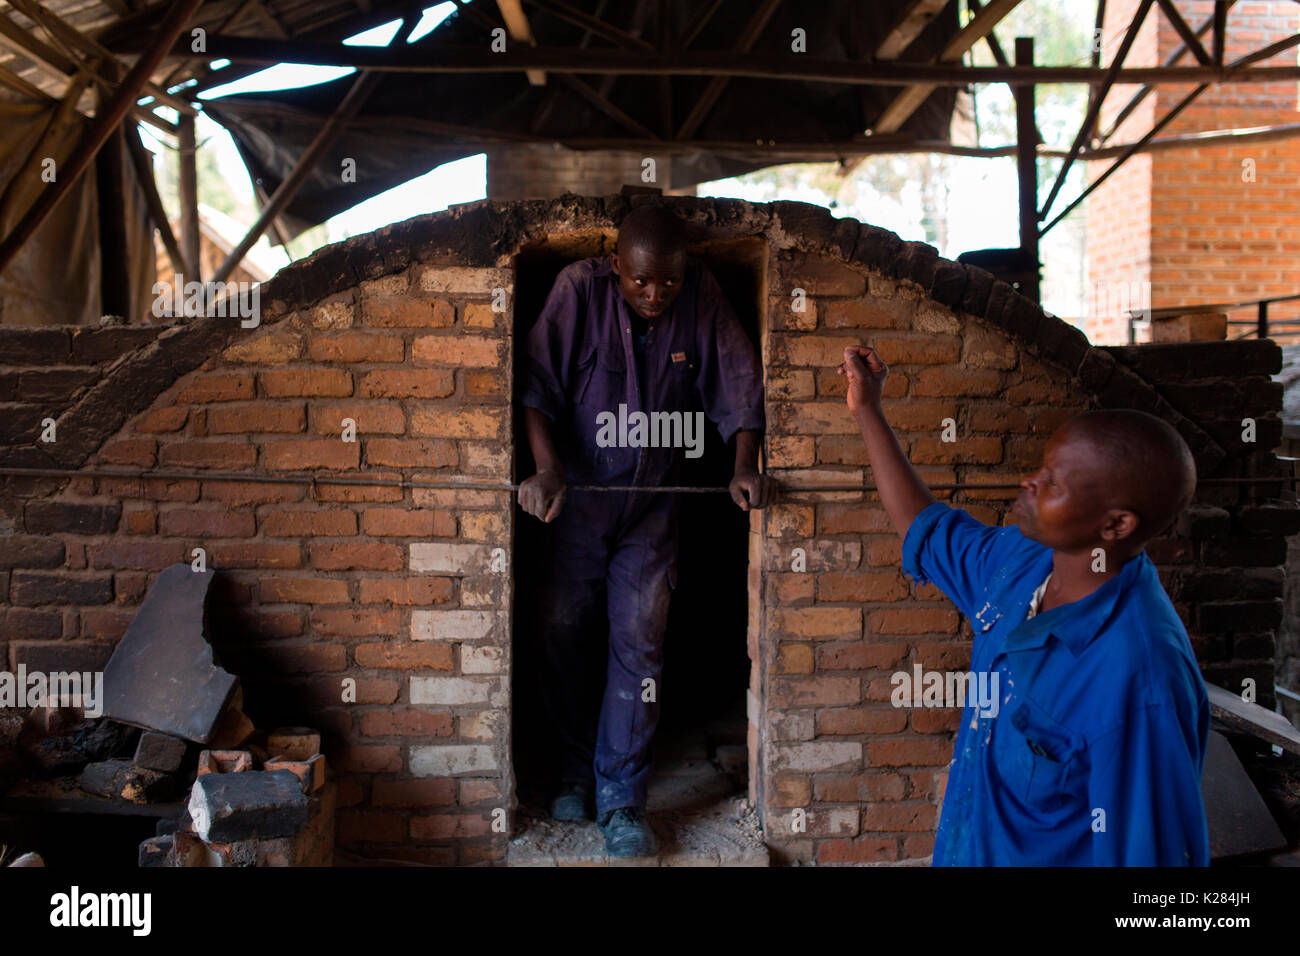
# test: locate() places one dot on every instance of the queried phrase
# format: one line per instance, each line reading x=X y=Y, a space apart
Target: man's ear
x=613 y=263
x=1119 y=524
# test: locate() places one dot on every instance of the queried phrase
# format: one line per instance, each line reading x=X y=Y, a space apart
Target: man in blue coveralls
x=1094 y=754
x=646 y=328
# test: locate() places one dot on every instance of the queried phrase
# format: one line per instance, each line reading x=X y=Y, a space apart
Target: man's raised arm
x=902 y=491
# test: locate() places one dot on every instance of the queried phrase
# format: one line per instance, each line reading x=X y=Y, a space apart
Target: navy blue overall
x=616 y=552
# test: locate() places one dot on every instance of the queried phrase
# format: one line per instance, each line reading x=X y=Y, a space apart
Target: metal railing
x=1262 y=325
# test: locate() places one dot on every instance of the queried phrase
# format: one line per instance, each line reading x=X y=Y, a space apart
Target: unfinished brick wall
x=1206 y=224
x=395 y=588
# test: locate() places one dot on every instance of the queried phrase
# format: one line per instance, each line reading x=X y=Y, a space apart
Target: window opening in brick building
x=700 y=753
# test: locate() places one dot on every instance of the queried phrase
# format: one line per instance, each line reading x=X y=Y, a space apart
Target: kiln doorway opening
x=700 y=750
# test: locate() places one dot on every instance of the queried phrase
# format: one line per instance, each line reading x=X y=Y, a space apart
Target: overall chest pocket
x=1045 y=754
x=602 y=379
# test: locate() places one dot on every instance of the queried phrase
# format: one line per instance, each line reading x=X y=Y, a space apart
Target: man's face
x=1061 y=505
x=650 y=279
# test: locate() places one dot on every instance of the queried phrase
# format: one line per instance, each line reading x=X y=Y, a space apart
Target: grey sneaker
x=627 y=833
x=573 y=802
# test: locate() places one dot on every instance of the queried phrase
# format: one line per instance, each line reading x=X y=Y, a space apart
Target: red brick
x=216 y=387
x=306 y=383
x=144 y=555
x=161 y=420
x=867 y=313
x=355 y=555
x=899 y=816
x=225 y=455
x=956 y=380
x=439 y=792
x=443 y=826
x=236 y=493
x=368 y=759
x=858 y=587
x=140 y=521
x=790 y=790
x=300 y=454
x=424 y=655
x=936 y=720
x=910 y=752
x=371 y=418
x=105 y=623
x=478 y=791
x=860 y=787
x=399 y=311
x=189 y=522
x=408 y=522
x=473 y=350
x=970 y=449
x=816 y=691
x=407 y=383
x=260 y=417
x=913 y=620
x=917 y=847
x=860 y=720
x=794 y=659
x=860 y=656
x=356 y=622
x=411 y=453
x=412 y=723
x=407 y=590
x=254 y=554
x=139 y=452
x=299 y=524
x=857 y=850
x=356 y=347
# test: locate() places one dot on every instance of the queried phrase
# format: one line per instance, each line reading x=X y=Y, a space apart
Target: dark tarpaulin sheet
x=402 y=131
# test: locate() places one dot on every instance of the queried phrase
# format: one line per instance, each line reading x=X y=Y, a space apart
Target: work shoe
x=627 y=833
x=573 y=802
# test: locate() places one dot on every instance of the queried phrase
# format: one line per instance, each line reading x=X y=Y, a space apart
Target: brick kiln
x=382 y=609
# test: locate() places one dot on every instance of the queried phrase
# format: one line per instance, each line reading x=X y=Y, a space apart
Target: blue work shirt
x=582 y=362
x=1094 y=756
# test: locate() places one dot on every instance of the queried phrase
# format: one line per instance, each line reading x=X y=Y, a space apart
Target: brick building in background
x=1201 y=225
x=396 y=587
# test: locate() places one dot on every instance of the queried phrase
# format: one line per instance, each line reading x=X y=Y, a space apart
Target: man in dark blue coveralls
x=647 y=328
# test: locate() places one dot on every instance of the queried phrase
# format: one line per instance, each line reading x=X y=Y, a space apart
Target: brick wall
x=1195 y=223
x=393 y=588
x=546 y=171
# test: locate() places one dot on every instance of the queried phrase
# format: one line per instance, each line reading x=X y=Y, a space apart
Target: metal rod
x=487 y=485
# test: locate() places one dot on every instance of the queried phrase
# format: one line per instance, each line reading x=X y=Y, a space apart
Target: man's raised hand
x=542 y=495
x=867 y=373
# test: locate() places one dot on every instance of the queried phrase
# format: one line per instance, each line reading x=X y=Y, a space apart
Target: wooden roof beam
x=59 y=28
x=1189 y=37
x=564 y=11
x=512 y=12
x=475 y=59
x=909 y=100
x=912 y=21
x=100 y=129
x=352 y=102
x=744 y=43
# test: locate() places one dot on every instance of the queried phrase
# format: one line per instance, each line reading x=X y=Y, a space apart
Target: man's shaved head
x=652 y=228
x=650 y=260
x=1144 y=465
